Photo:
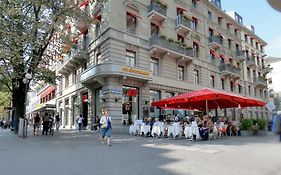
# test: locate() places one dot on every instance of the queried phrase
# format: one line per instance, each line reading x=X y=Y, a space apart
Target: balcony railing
x=250 y=61
x=182 y=21
x=155 y=40
x=260 y=81
x=240 y=55
x=157 y=8
x=80 y=51
x=229 y=69
x=215 y=41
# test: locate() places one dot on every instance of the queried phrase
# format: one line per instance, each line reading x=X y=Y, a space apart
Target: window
x=194 y=4
x=194 y=24
x=239 y=88
x=131 y=22
x=154 y=29
x=212 y=80
x=180 y=72
x=261 y=49
x=257 y=45
x=252 y=41
x=180 y=38
x=229 y=43
x=195 y=48
x=211 y=33
x=237 y=48
x=209 y=15
x=246 y=38
x=222 y=83
x=221 y=39
x=130 y=58
x=219 y=20
x=74 y=77
x=269 y=80
x=255 y=91
x=261 y=93
x=98 y=58
x=249 y=90
x=98 y=30
x=236 y=32
x=66 y=83
x=154 y=65
x=248 y=72
x=196 y=76
x=231 y=86
x=228 y=26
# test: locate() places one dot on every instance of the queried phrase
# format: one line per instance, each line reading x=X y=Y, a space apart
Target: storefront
x=130 y=104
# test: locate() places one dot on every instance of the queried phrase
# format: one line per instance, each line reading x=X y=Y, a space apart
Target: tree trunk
x=20 y=98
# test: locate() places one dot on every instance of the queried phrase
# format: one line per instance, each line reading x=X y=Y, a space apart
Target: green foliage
x=5 y=101
x=262 y=123
x=246 y=124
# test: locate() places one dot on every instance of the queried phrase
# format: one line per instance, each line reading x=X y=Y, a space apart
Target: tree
x=28 y=29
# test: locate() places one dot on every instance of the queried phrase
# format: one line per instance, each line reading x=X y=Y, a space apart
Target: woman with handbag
x=105 y=122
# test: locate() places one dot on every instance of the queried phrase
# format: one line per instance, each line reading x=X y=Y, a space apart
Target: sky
x=266 y=20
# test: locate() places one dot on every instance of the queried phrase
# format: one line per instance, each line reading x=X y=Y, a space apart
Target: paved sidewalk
x=69 y=152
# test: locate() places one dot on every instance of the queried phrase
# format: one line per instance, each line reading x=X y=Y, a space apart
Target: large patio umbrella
x=205 y=99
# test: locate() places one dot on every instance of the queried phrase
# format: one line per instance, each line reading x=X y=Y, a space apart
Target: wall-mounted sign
x=135 y=71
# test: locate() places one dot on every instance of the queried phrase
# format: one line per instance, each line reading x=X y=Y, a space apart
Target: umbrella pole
x=207 y=110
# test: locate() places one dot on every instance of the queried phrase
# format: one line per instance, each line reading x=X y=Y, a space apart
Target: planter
x=246 y=133
x=262 y=132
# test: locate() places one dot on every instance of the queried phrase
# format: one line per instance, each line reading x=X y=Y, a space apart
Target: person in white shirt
x=79 y=121
x=106 y=127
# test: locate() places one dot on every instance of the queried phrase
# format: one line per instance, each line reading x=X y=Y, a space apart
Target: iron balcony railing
x=250 y=61
x=260 y=80
x=215 y=39
x=230 y=68
x=157 y=8
x=180 y=20
x=156 y=40
x=240 y=53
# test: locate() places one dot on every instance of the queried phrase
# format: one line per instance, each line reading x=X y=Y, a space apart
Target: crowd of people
x=48 y=121
x=192 y=128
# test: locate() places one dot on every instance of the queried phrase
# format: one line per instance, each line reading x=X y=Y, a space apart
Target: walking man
x=45 y=124
x=79 y=121
x=57 y=121
x=36 y=124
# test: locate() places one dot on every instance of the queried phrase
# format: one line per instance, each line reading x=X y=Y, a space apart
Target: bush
x=246 y=124
x=262 y=124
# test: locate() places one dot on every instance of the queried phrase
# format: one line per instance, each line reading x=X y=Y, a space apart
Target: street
x=72 y=153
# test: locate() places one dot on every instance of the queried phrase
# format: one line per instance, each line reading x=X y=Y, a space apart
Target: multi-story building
x=142 y=51
x=274 y=79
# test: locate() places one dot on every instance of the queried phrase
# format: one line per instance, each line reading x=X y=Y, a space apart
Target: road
x=73 y=153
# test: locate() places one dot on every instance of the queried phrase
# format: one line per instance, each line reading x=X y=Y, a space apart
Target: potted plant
x=262 y=123
x=246 y=125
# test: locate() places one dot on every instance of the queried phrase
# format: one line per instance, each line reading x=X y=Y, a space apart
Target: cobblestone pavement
x=69 y=152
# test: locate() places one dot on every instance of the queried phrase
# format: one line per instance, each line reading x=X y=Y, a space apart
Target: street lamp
x=26 y=80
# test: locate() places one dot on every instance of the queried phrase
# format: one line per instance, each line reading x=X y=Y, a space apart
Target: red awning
x=133 y=14
x=157 y=25
x=47 y=91
x=195 y=18
x=181 y=9
x=84 y=3
x=214 y=53
x=98 y=17
x=224 y=57
x=199 y=44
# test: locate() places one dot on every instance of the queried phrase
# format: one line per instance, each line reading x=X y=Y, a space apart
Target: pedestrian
x=36 y=124
x=79 y=121
x=57 y=121
x=276 y=126
x=45 y=124
x=106 y=127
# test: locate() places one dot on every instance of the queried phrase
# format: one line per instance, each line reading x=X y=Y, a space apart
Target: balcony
x=250 y=62
x=96 y=73
x=215 y=42
x=183 y=25
x=260 y=81
x=71 y=60
x=162 y=46
x=157 y=12
x=266 y=70
x=230 y=71
x=240 y=55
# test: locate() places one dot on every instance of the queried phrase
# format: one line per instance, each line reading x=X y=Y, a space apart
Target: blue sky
x=266 y=20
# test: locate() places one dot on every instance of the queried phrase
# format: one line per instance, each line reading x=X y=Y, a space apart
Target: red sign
x=132 y=92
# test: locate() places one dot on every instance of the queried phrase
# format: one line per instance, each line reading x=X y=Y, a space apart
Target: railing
x=158 y=8
x=180 y=20
x=82 y=46
x=260 y=80
x=229 y=68
x=250 y=61
x=155 y=40
x=215 y=39
x=240 y=53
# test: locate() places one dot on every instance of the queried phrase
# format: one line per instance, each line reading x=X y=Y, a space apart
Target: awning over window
x=181 y=9
x=47 y=91
x=84 y=3
x=98 y=17
x=133 y=14
x=195 y=18
x=214 y=53
x=199 y=44
x=224 y=57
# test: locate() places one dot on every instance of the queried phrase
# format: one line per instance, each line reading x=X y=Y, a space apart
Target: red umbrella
x=205 y=99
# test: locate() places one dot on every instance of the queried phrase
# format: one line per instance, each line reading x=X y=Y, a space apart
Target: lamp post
x=25 y=80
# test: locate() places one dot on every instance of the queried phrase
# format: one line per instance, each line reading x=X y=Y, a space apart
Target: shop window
x=154 y=65
x=130 y=58
x=130 y=104
x=180 y=72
